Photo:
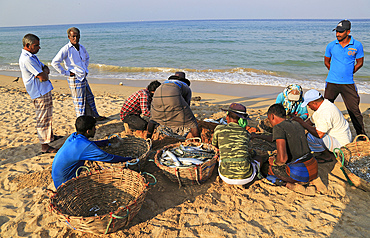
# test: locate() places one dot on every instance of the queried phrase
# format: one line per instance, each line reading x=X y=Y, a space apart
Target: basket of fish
x=102 y=201
x=130 y=146
x=356 y=162
x=187 y=162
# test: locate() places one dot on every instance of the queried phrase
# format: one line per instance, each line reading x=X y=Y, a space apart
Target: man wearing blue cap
x=343 y=58
x=331 y=129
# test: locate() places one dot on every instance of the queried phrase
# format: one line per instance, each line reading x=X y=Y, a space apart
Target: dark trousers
x=135 y=122
x=351 y=100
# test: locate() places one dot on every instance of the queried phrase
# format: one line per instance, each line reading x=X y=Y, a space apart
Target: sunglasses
x=340 y=31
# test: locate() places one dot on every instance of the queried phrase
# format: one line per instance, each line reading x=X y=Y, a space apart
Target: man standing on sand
x=76 y=61
x=343 y=58
x=331 y=128
x=35 y=77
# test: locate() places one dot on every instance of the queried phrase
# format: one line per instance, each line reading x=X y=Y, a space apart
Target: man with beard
x=343 y=58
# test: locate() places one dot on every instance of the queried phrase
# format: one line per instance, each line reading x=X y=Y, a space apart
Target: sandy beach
x=212 y=209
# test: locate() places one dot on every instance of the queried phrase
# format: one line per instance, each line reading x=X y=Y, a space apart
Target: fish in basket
x=355 y=160
x=100 y=202
x=129 y=146
x=187 y=162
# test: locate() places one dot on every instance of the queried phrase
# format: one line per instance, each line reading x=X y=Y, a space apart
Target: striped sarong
x=304 y=169
x=44 y=115
x=320 y=144
x=83 y=99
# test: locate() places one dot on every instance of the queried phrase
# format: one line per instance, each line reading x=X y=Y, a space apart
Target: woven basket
x=100 y=202
x=129 y=146
x=353 y=151
x=196 y=174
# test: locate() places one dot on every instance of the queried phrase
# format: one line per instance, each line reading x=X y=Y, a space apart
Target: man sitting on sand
x=78 y=148
x=331 y=129
x=171 y=107
x=236 y=166
x=294 y=161
x=136 y=104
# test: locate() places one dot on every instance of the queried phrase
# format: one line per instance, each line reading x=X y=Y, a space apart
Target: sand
x=213 y=209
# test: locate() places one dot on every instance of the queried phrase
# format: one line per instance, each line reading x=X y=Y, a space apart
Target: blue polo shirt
x=75 y=150
x=343 y=61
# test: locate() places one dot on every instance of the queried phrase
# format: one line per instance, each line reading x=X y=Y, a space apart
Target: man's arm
x=359 y=64
x=44 y=76
x=309 y=127
x=282 y=156
x=58 y=59
x=327 y=62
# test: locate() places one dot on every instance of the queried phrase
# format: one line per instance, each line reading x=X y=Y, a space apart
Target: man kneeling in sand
x=78 y=148
x=236 y=166
x=294 y=161
x=331 y=128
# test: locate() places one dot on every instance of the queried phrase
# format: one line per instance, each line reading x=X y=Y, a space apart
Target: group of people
x=167 y=104
x=35 y=77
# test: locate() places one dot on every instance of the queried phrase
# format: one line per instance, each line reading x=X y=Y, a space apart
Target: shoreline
x=252 y=96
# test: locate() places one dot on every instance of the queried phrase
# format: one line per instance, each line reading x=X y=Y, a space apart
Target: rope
x=196 y=174
x=112 y=216
x=178 y=177
x=342 y=167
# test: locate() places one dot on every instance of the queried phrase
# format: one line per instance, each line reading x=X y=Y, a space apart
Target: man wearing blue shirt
x=343 y=58
x=35 y=77
x=78 y=148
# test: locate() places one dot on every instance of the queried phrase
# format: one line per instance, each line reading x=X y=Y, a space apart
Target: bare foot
x=45 y=148
x=309 y=191
x=324 y=157
x=320 y=186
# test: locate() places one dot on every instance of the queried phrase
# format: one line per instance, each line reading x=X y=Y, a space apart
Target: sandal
x=50 y=150
x=323 y=161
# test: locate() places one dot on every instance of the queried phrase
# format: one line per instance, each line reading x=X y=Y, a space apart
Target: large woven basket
x=196 y=174
x=100 y=202
x=129 y=146
x=354 y=151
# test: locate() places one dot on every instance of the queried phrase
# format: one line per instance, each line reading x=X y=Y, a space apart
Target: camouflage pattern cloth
x=233 y=143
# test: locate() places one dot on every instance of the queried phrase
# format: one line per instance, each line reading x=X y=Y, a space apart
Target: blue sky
x=51 y=12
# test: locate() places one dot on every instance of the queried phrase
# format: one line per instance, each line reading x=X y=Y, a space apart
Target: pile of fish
x=360 y=166
x=185 y=156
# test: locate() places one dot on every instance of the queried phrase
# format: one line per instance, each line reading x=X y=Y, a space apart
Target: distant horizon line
x=178 y=20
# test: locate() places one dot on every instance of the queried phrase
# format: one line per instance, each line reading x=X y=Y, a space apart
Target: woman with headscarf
x=292 y=98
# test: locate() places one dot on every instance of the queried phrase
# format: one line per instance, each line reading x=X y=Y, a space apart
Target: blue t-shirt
x=343 y=61
x=75 y=150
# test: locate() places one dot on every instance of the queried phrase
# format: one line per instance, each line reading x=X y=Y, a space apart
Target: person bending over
x=236 y=166
x=331 y=128
x=78 y=148
x=294 y=161
x=139 y=104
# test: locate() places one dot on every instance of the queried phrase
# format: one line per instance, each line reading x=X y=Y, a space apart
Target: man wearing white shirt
x=331 y=128
x=35 y=77
x=76 y=62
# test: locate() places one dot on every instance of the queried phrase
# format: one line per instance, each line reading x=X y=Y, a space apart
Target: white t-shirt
x=328 y=119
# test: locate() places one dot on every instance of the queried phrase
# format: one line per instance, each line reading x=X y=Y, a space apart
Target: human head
x=74 y=35
x=238 y=109
x=343 y=30
x=85 y=125
x=31 y=43
x=293 y=92
x=153 y=86
x=276 y=114
x=313 y=99
x=180 y=76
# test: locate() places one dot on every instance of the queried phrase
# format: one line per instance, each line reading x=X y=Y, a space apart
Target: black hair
x=153 y=85
x=84 y=123
x=277 y=109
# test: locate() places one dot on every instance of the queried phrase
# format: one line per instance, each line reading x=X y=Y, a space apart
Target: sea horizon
x=271 y=52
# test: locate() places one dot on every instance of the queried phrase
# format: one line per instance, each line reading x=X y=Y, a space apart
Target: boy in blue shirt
x=78 y=148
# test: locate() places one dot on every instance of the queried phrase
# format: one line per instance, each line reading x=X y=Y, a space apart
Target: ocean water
x=254 y=52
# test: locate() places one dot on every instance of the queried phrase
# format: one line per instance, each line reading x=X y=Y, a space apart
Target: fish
x=191 y=160
x=173 y=157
